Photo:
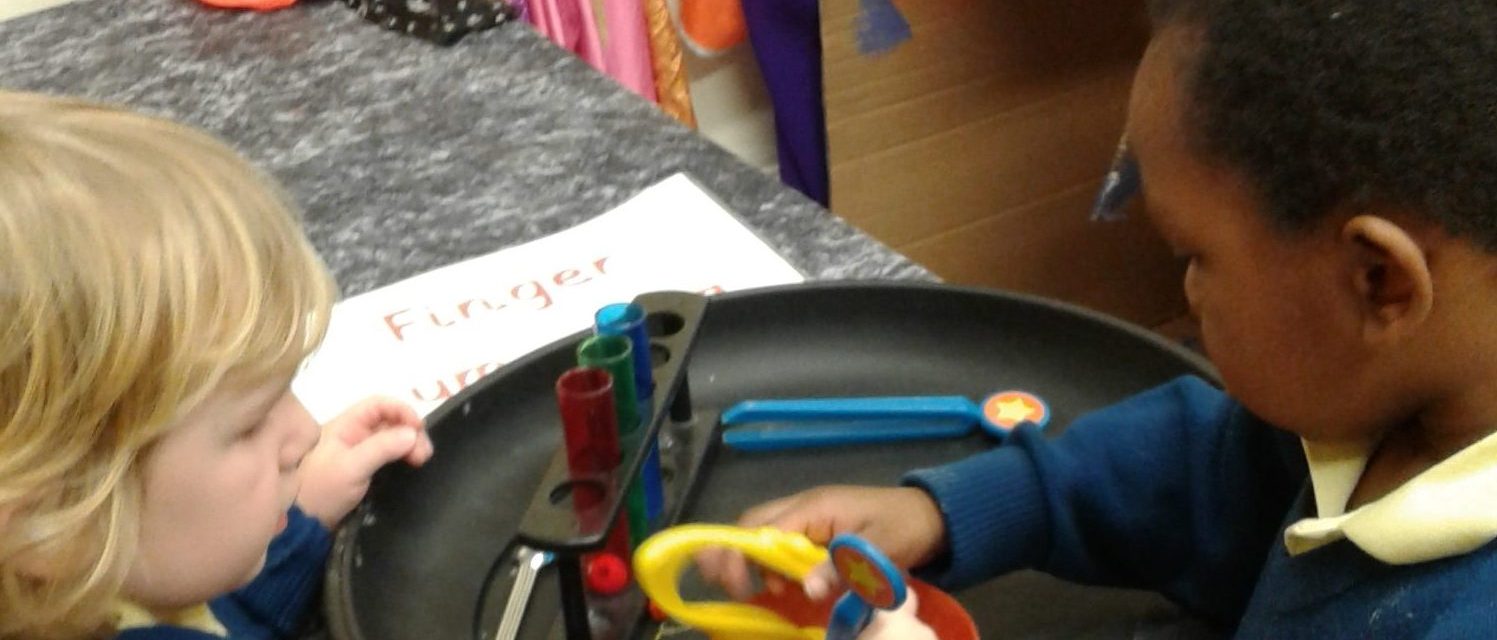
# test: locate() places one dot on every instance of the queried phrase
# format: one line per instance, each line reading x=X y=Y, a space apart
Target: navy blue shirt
x=1181 y=491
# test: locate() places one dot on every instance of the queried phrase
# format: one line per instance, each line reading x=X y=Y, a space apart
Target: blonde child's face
x=216 y=491
x=1274 y=316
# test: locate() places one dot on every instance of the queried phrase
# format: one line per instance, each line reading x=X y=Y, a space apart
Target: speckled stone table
x=407 y=156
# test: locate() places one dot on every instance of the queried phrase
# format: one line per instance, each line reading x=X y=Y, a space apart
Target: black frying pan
x=410 y=563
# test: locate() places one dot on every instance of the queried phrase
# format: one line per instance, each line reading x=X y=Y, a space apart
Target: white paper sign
x=425 y=338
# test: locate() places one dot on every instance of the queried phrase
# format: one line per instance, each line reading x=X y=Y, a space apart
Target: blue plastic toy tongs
x=825 y=422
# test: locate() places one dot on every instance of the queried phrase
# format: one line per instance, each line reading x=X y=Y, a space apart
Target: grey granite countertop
x=405 y=155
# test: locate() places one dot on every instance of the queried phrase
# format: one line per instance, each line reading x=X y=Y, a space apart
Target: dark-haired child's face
x=1274 y=315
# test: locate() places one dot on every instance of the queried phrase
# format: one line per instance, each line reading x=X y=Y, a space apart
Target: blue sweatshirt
x=1181 y=491
x=276 y=602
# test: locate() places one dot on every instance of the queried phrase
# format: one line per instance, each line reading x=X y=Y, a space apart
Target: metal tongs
x=531 y=562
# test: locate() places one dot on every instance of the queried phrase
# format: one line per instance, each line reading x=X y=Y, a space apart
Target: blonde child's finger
x=354 y=424
x=370 y=414
x=401 y=415
x=388 y=412
x=421 y=452
x=359 y=411
x=380 y=449
x=397 y=412
x=428 y=448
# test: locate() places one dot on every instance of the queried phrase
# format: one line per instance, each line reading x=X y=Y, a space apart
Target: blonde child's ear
x=29 y=563
x=1391 y=276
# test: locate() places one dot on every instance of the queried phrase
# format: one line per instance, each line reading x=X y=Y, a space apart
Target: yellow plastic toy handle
x=660 y=560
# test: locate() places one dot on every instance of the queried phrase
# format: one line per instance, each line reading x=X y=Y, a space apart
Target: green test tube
x=615 y=355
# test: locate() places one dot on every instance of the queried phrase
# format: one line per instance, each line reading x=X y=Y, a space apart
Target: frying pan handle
x=925 y=407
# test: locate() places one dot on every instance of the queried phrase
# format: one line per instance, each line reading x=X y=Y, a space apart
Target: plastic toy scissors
x=873 y=582
x=660 y=560
x=789 y=614
x=823 y=422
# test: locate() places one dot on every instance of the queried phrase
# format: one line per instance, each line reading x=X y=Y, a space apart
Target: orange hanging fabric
x=712 y=26
x=670 y=67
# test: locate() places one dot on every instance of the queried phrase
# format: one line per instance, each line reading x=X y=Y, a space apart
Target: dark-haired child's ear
x=1391 y=276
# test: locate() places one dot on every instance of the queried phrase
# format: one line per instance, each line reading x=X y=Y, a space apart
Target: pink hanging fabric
x=570 y=24
x=628 y=52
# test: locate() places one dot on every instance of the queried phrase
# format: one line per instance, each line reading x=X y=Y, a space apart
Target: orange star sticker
x=1016 y=410
x=1010 y=408
x=865 y=581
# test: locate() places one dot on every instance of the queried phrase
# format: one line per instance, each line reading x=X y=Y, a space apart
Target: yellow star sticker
x=861 y=576
x=1014 y=411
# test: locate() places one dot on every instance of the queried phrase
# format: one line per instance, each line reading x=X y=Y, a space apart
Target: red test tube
x=591 y=436
x=589 y=423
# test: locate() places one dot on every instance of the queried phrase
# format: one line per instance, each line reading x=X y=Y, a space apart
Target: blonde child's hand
x=903 y=522
x=354 y=445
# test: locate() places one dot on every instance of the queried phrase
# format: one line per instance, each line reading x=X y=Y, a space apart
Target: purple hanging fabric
x=786 y=35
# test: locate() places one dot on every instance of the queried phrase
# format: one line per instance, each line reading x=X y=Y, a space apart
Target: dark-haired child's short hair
x=1325 y=103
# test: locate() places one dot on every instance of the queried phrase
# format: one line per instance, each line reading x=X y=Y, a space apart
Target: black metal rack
x=551 y=523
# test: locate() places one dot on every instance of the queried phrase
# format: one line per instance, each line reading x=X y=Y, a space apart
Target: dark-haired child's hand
x=903 y=522
x=354 y=445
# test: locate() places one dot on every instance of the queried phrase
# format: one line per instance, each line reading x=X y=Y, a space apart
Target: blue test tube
x=628 y=320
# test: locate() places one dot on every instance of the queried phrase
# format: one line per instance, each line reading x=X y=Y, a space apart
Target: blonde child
x=1329 y=170
x=157 y=478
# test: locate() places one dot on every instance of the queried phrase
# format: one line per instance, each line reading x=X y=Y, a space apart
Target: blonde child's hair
x=142 y=265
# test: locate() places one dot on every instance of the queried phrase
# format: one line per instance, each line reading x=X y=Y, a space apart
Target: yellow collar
x=1448 y=510
x=199 y=618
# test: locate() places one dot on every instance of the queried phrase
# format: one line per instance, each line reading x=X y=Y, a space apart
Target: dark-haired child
x=1329 y=169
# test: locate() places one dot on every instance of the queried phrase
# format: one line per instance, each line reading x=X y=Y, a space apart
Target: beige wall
x=977 y=146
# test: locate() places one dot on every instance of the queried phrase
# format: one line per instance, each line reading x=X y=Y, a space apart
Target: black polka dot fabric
x=441 y=21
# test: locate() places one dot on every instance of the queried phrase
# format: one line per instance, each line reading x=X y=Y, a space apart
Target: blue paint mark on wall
x=881 y=27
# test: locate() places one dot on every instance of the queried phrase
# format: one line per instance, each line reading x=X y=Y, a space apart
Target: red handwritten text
x=444 y=388
x=534 y=295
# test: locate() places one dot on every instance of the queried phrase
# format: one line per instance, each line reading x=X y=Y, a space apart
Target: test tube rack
x=686 y=438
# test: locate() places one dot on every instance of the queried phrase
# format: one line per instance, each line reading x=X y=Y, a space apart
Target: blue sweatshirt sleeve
x=277 y=601
x=1177 y=490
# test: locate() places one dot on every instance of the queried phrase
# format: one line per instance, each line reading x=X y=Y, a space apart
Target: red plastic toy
x=250 y=5
x=606 y=574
